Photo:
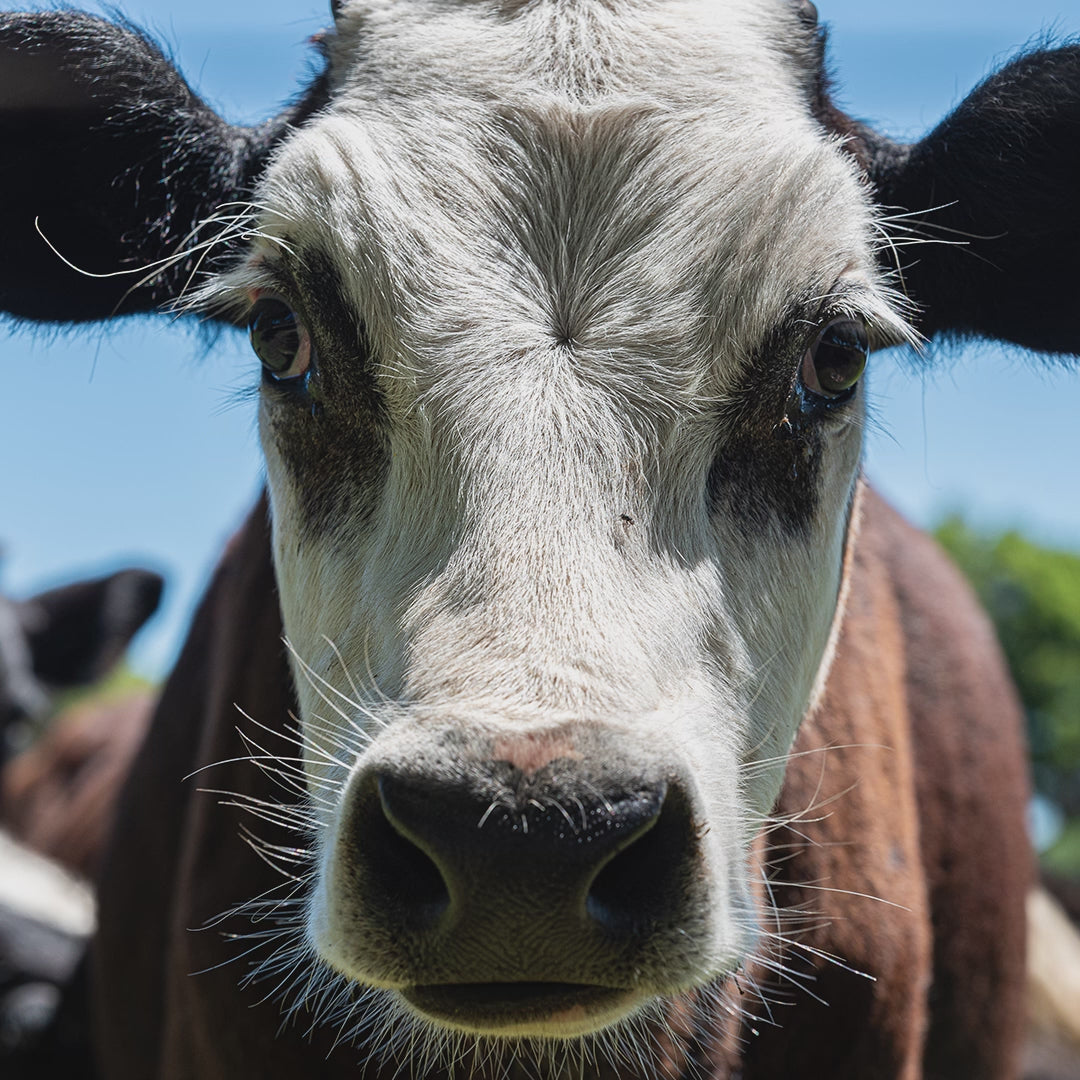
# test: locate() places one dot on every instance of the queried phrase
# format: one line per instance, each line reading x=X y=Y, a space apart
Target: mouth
x=549 y=1009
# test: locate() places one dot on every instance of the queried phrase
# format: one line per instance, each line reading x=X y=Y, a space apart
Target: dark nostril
x=643 y=883
x=496 y=856
x=402 y=877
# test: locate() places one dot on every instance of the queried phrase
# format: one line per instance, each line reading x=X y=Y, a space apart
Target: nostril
x=400 y=875
x=642 y=884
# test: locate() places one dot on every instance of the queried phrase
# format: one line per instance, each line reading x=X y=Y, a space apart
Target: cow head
x=563 y=312
x=66 y=637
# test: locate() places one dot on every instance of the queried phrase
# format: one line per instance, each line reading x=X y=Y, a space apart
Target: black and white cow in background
x=563 y=308
x=64 y=638
x=60 y=639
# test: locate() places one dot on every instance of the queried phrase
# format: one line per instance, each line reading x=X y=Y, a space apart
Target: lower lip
x=524 y=1008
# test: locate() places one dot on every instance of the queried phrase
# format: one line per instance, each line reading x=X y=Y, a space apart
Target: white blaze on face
x=588 y=245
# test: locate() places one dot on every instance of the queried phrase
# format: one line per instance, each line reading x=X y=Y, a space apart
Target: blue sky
x=137 y=444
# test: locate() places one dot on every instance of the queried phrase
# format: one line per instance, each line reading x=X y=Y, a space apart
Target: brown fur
x=920 y=805
x=58 y=796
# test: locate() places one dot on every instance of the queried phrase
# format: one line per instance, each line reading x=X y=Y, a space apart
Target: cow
x=65 y=638
x=596 y=718
x=1053 y=1043
x=56 y=794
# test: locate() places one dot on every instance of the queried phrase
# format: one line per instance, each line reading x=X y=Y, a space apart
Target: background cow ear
x=77 y=632
x=998 y=181
x=104 y=143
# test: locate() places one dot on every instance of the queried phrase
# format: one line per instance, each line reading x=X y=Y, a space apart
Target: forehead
x=619 y=176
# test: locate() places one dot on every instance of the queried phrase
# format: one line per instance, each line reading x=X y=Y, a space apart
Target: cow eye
x=835 y=362
x=279 y=338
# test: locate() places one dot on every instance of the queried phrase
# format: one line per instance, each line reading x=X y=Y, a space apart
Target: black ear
x=77 y=632
x=105 y=145
x=1001 y=176
x=21 y=695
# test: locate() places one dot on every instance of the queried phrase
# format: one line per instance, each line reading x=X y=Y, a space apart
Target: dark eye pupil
x=275 y=335
x=840 y=356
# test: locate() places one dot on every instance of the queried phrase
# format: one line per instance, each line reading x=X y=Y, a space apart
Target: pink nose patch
x=529 y=753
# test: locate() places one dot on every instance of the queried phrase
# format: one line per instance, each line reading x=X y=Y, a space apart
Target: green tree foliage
x=1033 y=595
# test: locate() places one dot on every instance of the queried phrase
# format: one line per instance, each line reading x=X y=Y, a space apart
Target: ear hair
x=110 y=155
x=994 y=192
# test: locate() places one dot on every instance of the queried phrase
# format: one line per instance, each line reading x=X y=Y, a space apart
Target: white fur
x=566 y=226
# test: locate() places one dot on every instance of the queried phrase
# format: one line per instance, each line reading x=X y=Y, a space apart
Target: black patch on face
x=330 y=429
x=766 y=472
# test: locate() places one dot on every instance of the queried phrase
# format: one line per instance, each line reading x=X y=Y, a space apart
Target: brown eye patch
x=324 y=413
x=782 y=417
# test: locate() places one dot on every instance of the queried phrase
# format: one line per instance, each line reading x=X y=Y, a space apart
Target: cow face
x=563 y=312
x=562 y=406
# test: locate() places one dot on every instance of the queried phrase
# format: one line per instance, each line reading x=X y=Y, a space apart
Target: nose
x=458 y=846
x=506 y=876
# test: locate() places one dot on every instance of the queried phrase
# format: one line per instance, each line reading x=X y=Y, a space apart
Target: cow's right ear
x=107 y=152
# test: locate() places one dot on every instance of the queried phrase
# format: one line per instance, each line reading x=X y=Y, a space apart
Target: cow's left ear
x=107 y=148
x=995 y=188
